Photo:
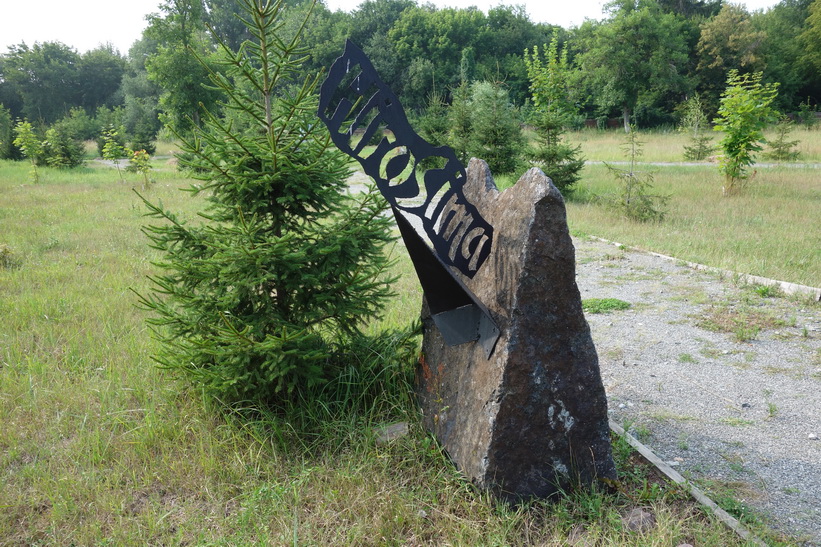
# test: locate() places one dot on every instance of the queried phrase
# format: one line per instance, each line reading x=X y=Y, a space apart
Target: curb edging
x=697 y=494
x=748 y=279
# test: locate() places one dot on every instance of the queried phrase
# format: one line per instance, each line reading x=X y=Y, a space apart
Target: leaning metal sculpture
x=357 y=107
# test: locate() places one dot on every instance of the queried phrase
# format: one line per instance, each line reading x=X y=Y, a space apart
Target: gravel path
x=719 y=381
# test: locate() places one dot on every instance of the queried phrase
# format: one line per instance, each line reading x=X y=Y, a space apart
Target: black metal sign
x=360 y=110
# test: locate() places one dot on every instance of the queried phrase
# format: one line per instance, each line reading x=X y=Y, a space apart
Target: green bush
x=62 y=150
x=79 y=125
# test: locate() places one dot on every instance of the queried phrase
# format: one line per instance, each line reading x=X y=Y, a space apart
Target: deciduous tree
x=46 y=79
x=178 y=64
x=30 y=144
x=728 y=41
x=810 y=39
x=745 y=110
x=100 y=73
x=634 y=58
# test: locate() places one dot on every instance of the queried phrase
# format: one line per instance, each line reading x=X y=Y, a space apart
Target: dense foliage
x=260 y=298
x=638 y=63
x=6 y=134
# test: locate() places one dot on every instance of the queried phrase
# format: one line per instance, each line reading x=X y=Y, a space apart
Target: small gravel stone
x=731 y=403
x=638 y=520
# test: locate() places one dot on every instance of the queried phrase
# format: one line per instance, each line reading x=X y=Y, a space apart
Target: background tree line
x=639 y=64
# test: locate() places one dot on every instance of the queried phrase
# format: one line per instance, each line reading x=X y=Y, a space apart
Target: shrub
x=61 y=149
x=79 y=125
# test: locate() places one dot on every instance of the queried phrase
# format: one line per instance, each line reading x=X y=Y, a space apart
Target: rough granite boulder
x=531 y=420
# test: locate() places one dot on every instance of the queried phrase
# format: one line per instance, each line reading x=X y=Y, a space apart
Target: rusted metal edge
x=785 y=286
x=697 y=494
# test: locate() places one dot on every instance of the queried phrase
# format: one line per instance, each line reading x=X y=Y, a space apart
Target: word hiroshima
x=354 y=101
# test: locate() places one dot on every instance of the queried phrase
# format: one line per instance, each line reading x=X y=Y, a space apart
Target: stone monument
x=532 y=418
x=508 y=380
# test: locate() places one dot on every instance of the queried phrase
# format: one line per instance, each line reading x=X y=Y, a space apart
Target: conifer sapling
x=254 y=300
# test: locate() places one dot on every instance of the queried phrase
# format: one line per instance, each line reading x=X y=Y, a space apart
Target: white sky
x=86 y=24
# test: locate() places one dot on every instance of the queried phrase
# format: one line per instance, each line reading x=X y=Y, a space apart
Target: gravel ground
x=719 y=381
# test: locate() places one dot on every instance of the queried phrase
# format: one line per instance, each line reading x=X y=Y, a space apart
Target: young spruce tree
x=548 y=73
x=694 y=121
x=255 y=301
x=496 y=133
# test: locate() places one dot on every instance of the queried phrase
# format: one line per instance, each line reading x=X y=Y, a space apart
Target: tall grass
x=668 y=145
x=773 y=229
x=99 y=446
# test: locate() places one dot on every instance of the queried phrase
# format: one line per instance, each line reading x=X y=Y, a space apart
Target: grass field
x=668 y=146
x=773 y=229
x=99 y=446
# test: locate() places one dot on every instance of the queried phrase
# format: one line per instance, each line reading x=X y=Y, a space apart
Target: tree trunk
x=625 y=112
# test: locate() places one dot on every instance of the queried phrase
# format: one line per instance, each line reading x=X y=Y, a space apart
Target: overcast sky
x=85 y=24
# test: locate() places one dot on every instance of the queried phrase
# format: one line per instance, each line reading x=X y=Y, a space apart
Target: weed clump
x=604 y=305
x=7 y=257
